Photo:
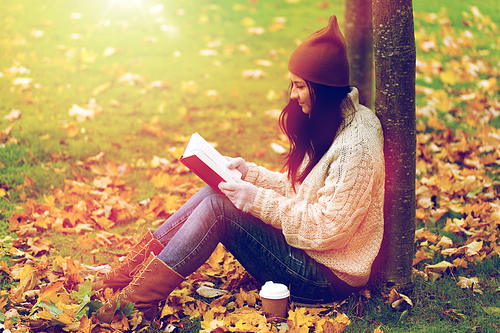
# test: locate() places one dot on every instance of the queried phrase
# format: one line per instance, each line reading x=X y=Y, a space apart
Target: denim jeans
x=192 y=233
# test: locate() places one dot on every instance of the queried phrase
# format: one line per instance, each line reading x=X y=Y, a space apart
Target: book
x=207 y=163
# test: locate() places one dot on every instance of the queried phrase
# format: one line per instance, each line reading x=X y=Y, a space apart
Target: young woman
x=316 y=228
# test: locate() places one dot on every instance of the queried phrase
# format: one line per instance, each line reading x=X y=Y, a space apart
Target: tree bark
x=395 y=57
x=359 y=39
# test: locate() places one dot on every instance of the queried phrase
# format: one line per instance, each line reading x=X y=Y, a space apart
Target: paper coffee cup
x=274 y=298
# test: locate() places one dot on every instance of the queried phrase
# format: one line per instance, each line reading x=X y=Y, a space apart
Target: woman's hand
x=239 y=164
x=242 y=194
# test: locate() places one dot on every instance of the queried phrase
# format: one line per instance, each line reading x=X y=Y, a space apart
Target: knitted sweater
x=336 y=213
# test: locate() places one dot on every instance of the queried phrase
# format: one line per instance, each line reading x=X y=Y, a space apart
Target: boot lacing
x=141 y=270
x=127 y=261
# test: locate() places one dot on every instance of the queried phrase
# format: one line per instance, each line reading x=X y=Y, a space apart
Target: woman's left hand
x=242 y=194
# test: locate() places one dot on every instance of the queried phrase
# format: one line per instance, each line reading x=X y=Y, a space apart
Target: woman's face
x=300 y=92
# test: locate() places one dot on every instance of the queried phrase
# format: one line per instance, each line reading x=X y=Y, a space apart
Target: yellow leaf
x=104 y=223
x=300 y=317
x=27 y=273
x=49 y=200
x=445 y=242
x=439 y=267
x=448 y=77
x=43 y=222
x=441 y=99
x=302 y=329
x=167 y=310
x=161 y=180
x=212 y=325
x=190 y=87
x=489 y=84
x=247 y=22
x=44 y=314
x=102 y=88
x=171 y=204
x=333 y=325
x=69 y=310
x=470 y=283
x=63 y=317
x=473 y=248
x=54 y=293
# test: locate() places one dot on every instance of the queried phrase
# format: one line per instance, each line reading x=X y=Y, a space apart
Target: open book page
x=199 y=146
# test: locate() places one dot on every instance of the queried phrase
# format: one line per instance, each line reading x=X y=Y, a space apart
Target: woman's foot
x=122 y=275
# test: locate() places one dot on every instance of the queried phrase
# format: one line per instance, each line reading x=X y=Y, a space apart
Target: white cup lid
x=271 y=290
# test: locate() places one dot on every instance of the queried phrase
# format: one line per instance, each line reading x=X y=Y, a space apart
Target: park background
x=98 y=99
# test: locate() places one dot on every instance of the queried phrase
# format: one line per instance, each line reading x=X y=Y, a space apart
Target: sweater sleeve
x=264 y=178
x=328 y=218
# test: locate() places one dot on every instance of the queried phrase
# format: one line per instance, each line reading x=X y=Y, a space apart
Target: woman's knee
x=218 y=203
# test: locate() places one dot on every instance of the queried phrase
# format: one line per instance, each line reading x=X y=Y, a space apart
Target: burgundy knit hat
x=322 y=58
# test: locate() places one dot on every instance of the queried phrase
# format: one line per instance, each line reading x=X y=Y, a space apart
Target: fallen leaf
x=13 y=115
x=439 y=267
x=492 y=311
x=469 y=283
x=253 y=74
x=209 y=292
x=81 y=113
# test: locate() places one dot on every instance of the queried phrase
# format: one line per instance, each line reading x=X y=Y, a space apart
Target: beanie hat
x=322 y=58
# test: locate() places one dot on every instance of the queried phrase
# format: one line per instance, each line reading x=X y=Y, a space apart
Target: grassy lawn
x=94 y=91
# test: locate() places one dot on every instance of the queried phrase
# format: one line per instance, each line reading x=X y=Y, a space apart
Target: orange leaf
x=72 y=130
x=419 y=256
x=3 y=303
x=103 y=222
x=38 y=245
x=28 y=181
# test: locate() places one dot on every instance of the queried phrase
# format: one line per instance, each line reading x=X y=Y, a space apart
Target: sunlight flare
x=136 y=2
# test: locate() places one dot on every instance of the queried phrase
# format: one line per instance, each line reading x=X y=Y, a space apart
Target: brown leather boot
x=122 y=275
x=151 y=284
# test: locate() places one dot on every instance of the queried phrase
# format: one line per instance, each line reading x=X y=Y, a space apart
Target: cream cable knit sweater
x=336 y=214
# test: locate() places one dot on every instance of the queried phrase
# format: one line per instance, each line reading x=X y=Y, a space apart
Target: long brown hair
x=313 y=133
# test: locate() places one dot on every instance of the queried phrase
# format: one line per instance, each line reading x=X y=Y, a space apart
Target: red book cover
x=203 y=171
x=207 y=163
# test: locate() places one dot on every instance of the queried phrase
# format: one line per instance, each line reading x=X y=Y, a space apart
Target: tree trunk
x=395 y=57
x=359 y=39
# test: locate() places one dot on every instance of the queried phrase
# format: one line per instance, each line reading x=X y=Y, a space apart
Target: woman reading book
x=317 y=227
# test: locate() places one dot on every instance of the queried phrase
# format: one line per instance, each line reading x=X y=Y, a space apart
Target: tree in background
x=395 y=57
x=359 y=37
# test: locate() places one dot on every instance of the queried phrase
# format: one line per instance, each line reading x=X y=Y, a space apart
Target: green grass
x=439 y=306
x=66 y=71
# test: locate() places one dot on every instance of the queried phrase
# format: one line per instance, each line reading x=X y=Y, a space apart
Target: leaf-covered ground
x=98 y=100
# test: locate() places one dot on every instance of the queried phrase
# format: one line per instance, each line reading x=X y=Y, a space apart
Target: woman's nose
x=294 y=94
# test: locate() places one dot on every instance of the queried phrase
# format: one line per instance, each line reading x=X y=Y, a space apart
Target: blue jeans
x=192 y=233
